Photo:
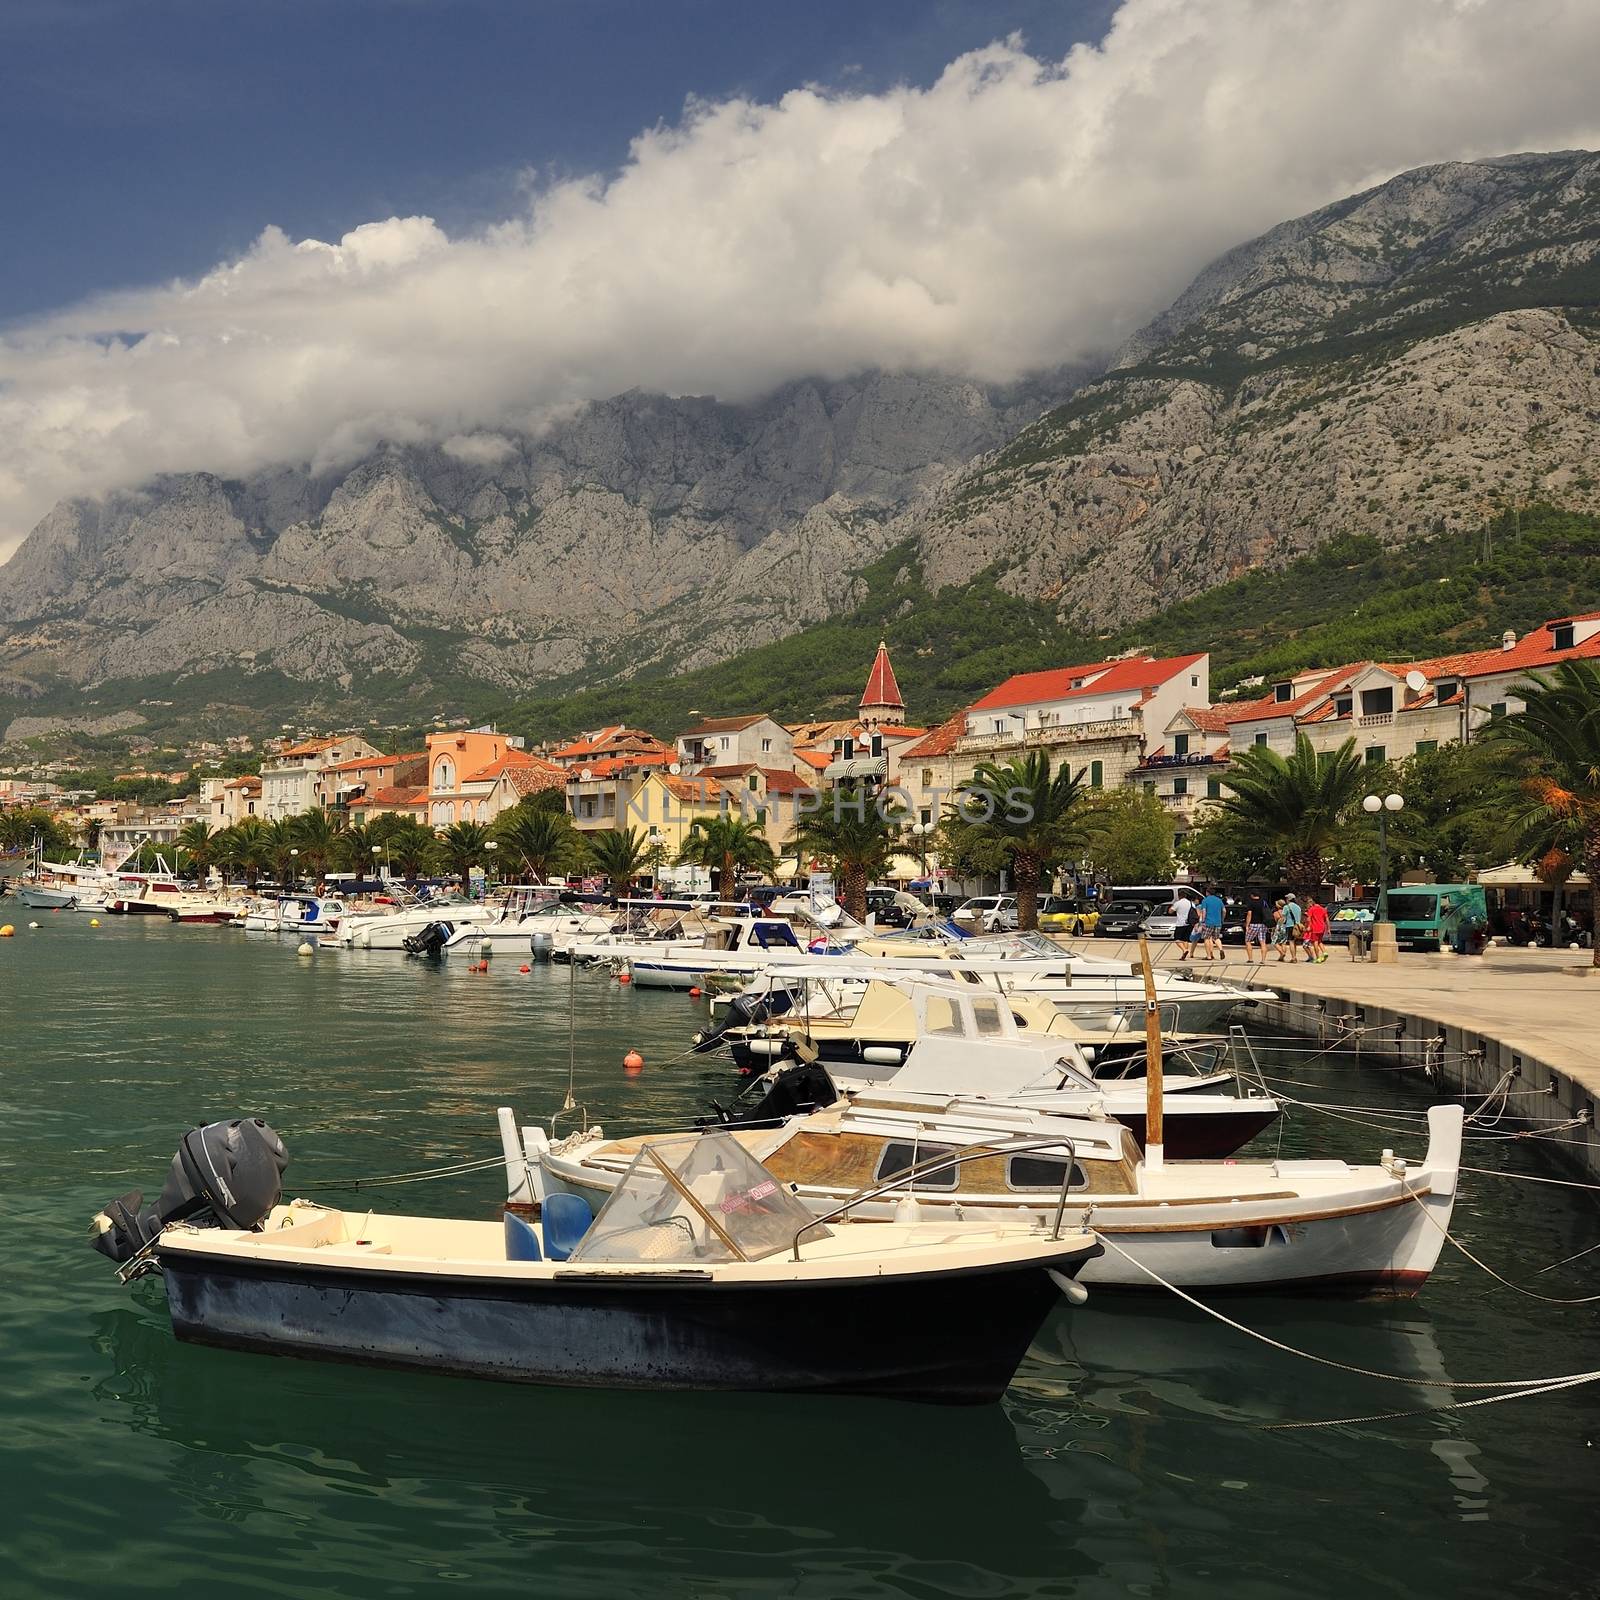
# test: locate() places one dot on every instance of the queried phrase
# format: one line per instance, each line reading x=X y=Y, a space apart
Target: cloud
x=1015 y=214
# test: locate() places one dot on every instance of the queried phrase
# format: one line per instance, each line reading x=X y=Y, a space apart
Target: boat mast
x=1154 y=1152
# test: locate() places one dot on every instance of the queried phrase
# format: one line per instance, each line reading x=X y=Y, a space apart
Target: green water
x=1127 y=1459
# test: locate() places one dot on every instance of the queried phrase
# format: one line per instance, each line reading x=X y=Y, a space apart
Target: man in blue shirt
x=1212 y=910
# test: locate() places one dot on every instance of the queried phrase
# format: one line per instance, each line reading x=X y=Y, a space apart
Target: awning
x=859 y=767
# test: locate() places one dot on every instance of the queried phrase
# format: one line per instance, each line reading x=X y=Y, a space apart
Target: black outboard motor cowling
x=743 y=1011
x=792 y=1092
x=225 y=1175
x=430 y=941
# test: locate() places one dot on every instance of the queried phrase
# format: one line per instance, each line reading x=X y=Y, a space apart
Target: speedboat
x=389 y=929
x=733 y=952
x=701 y=1271
x=295 y=913
x=524 y=912
x=1271 y=1225
x=157 y=896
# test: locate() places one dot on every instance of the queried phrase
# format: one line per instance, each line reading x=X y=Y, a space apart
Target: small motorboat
x=701 y=1271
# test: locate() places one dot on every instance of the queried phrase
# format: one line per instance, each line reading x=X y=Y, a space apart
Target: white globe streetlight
x=1380 y=806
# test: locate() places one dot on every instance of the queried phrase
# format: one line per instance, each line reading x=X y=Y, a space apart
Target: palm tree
x=1036 y=816
x=856 y=836
x=1558 y=730
x=545 y=840
x=353 y=847
x=276 y=848
x=462 y=846
x=727 y=843
x=243 y=846
x=197 y=842
x=410 y=845
x=91 y=833
x=1298 y=803
x=619 y=854
x=316 y=836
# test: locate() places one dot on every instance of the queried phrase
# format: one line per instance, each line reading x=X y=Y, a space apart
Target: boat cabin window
x=942 y=1015
x=899 y=1155
x=1026 y=1174
x=986 y=1017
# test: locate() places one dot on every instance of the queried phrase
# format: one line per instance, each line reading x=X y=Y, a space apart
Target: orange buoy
x=694 y=994
x=633 y=1062
x=7 y=932
x=524 y=967
x=624 y=977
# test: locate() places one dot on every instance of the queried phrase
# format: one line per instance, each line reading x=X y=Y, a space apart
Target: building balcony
x=1376 y=719
x=1053 y=733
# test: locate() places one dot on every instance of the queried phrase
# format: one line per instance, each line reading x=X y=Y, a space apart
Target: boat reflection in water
x=566 y=1488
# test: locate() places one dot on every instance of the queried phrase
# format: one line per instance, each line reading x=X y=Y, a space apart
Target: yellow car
x=1058 y=914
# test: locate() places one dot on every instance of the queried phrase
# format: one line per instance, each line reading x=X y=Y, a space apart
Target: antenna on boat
x=1154 y=1152
x=572 y=1022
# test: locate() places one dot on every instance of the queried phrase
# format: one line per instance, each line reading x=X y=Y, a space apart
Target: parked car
x=1059 y=913
x=890 y=908
x=1122 y=919
x=1352 y=917
x=992 y=913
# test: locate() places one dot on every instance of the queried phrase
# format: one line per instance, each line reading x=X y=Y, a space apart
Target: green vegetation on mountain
x=1352 y=600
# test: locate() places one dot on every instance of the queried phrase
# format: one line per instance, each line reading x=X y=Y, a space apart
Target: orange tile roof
x=311 y=747
x=514 y=761
x=941 y=741
x=361 y=763
x=1533 y=652
x=607 y=740
x=394 y=798
x=1139 y=673
x=723 y=725
x=1257 y=710
x=1209 y=719
x=814 y=758
x=531 y=780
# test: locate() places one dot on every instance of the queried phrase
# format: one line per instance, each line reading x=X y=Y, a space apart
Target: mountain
x=639 y=526
x=1398 y=366
x=1403 y=363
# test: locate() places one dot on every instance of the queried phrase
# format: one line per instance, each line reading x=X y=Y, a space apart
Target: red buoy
x=524 y=968
x=633 y=1062
x=623 y=977
x=694 y=994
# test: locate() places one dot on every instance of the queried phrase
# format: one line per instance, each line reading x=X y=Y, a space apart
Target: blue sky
x=157 y=137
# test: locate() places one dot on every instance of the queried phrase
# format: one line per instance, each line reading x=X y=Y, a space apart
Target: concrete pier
x=1535 y=1013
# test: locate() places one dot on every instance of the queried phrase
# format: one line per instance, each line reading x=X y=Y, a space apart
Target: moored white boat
x=1279 y=1224
x=700 y=1272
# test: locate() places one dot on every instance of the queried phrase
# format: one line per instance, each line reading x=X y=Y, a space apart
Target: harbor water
x=1136 y=1453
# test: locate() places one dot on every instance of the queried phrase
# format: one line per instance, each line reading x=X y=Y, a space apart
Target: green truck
x=1432 y=916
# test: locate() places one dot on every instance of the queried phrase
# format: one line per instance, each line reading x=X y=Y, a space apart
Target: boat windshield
x=695 y=1198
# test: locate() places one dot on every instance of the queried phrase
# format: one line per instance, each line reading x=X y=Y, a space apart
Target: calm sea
x=1129 y=1457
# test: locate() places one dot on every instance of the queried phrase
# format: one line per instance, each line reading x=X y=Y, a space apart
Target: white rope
x=1427 y=1411
x=1342 y=1366
x=1528 y=1177
x=1532 y=1294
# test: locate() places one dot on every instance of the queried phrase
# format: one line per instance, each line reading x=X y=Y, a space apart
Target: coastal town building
x=467 y=774
x=735 y=741
x=296 y=779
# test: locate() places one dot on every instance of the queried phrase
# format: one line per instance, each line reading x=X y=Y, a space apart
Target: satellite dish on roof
x=1416 y=681
x=675 y=768
x=587 y=775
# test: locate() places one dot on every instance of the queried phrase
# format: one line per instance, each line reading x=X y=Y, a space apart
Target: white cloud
x=1015 y=214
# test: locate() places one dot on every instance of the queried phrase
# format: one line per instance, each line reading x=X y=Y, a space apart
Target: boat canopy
x=696 y=1197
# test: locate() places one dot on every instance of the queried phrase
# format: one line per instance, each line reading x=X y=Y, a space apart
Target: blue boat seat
x=566 y=1220
x=522 y=1239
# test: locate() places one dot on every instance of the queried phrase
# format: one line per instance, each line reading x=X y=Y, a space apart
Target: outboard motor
x=793 y=1091
x=543 y=945
x=225 y=1175
x=429 y=943
x=743 y=1011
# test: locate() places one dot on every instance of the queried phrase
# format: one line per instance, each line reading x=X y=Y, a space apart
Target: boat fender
x=306 y=948
x=1074 y=1291
x=907 y=1210
x=883 y=1055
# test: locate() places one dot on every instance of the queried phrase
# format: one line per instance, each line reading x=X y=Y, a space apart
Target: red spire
x=882 y=693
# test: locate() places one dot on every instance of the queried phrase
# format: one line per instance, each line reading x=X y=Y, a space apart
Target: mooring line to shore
x=1345 y=1366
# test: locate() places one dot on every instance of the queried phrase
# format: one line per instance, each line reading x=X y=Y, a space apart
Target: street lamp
x=376 y=851
x=491 y=845
x=294 y=869
x=1383 y=940
x=922 y=830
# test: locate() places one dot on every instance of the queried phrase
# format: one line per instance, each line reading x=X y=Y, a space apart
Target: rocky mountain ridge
x=1406 y=362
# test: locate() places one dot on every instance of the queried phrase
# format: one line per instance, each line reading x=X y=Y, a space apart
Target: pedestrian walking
x=1182 y=913
x=1293 y=927
x=1212 y=910
x=1316 y=930
x=1257 y=927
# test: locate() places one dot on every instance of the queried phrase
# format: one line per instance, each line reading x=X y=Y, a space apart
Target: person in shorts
x=1212 y=910
x=1182 y=912
x=1257 y=928
x=1293 y=929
